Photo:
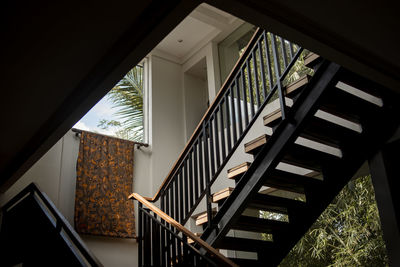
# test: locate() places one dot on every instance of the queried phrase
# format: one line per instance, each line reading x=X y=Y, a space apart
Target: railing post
x=207 y=174
x=140 y=234
x=278 y=76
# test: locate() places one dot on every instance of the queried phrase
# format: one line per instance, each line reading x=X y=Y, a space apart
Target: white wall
x=167 y=126
x=196 y=97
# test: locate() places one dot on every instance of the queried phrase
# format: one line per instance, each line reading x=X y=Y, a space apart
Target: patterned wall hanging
x=103 y=184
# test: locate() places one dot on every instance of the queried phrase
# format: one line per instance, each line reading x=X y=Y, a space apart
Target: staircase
x=34 y=233
x=324 y=128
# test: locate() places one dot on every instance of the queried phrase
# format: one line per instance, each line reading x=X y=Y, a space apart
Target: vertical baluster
x=250 y=88
x=162 y=243
x=171 y=198
x=228 y=126
x=185 y=250
x=216 y=137
x=190 y=176
x=221 y=117
x=238 y=106
x=162 y=203
x=177 y=204
x=257 y=86
x=173 y=254
x=262 y=69
x=181 y=206
x=207 y=174
x=244 y=93
x=278 y=76
x=179 y=250
x=195 y=171
x=185 y=175
x=211 y=137
x=201 y=162
x=168 y=248
x=284 y=55
x=167 y=201
x=156 y=242
x=233 y=116
x=268 y=57
x=147 y=241
x=140 y=234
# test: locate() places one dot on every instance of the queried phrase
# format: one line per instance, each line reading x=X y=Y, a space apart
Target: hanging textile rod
x=139 y=144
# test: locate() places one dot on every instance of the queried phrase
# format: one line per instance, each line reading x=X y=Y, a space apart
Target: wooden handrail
x=183 y=229
x=214 y=104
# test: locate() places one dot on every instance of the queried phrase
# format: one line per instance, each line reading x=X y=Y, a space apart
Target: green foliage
x=127 y=96
x=348 y=232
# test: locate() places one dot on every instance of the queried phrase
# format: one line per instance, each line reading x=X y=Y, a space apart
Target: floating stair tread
x=327 y=132
x=299 y=83
x=274 y=203
x=202 y=218
x=244 y=244
x=253 y=146
x=272 y=118
x=348 y=106
x=238 y=170
x=191 y=241
x=222 y=194
x=308 y=158
x=290 y=181
x=311 y=60
x=254 y=224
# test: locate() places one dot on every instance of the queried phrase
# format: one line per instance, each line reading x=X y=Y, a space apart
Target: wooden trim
x=242 y=168
x=214 y=253
x=218 y=97
x=253 y=144
x=224 y=193
x=310 y=59
x=292 y=87
x=273 y=116
x=202 y=218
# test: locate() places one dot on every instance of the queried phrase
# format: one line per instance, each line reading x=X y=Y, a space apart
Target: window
x=121 y=113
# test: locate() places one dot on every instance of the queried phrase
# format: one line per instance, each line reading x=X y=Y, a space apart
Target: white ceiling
x=190 y=31
x=204 y=24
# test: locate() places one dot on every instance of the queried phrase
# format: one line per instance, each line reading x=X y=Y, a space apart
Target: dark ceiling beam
x=359 y=35
x=146 y=29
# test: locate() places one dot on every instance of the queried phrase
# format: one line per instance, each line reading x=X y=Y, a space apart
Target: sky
x=102 y=110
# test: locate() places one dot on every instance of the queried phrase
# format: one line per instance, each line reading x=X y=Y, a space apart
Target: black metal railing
x=58 y=221
x=160 y=244
x=257 y=79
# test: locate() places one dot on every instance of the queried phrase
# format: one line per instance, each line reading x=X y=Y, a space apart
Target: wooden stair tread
x=260 y=225
x=191 y=241
x=299 y=83
x=290 y=181
x=251 y=147
x=244 y=244
x=275 y=204
x=222 y=194
x=238 y=170
x=311 y=60
x=202 y=217
x=298 y=155
x=272 y=118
